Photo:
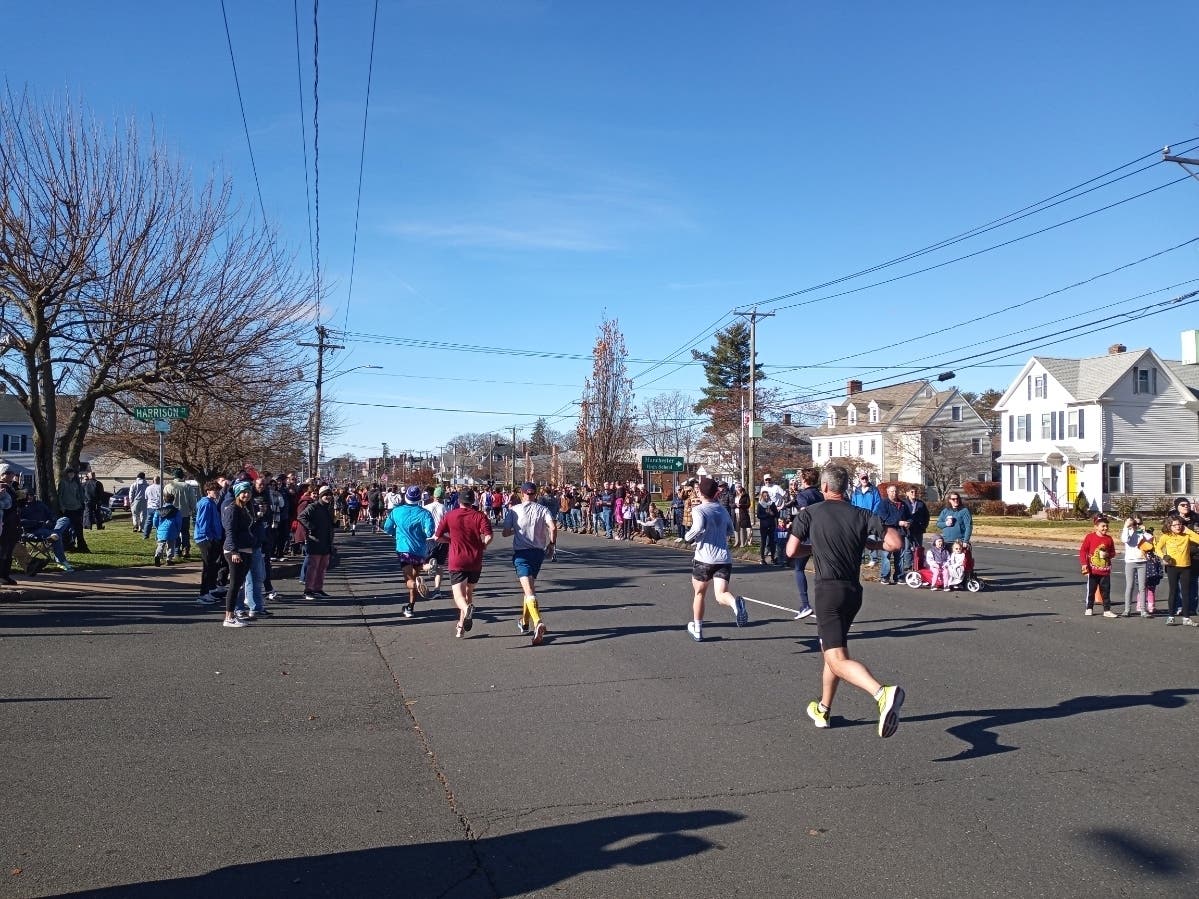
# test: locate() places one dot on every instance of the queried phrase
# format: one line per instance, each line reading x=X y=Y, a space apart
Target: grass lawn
x=117 y=546
x=1028 y=528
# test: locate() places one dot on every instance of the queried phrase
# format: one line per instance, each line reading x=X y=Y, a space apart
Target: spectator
x=93 y=492
x=890 y=512
x=11 y=500
x=768 y=521
x=914 y=522
x=186 y=497
x=71 y=502
x=209 y=537
x=741 y=516
x=866 y=496
x=38 y=520
x=153 y=501
x=137 y=501
x=167 y=522
x=955 y=520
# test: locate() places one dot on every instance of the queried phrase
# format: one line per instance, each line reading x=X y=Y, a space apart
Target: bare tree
x=119 y=277
x=944 y=456
x=669 y=426
x=606 y=427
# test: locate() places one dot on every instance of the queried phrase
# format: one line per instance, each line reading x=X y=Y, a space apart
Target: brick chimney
x=853 y=387
x=787 y=419
x=1116 y=348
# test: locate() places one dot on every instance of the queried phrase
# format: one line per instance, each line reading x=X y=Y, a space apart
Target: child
x=1134 y=563
x=938 y=564
x=167 y=524
x=956 y=569
x=1174 y=547
x=1095 y=555
x=1154 y=571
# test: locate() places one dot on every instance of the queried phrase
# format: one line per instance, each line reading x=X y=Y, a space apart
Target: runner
x=412 y=527
x=533 y=533
x=710 y=530
x=838 y=534
x=464 y=533
x=353 y=508
x=439 y=552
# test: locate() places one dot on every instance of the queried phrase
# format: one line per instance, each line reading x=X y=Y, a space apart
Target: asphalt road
x=341 y=750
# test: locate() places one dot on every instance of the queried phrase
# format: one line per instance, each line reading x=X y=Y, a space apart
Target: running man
x=464 y=532
x=412 y=527
x=533 y=532
x=835 y=533
x=440 y=551
x=710 y=530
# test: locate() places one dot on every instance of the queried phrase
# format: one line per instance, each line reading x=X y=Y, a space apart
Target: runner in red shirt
x=467 y=531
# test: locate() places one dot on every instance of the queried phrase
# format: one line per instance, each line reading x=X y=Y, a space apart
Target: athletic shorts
x=702 y=571
x=469 y=577
x=836 y=603
x=441 y=553
x=527 y=562
x=407 y=559
x=352 y=514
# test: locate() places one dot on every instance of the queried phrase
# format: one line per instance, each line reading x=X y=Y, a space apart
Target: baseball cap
x=321 y=492
x=412 y=493
x=1098 y=518
x=528 y=487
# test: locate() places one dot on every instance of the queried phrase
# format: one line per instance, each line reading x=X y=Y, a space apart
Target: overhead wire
x=245 y=124
x=295 y=7
x=370 y=68
x=316 y=146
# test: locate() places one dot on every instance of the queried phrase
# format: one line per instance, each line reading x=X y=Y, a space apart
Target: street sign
x=662 y=463
x=163 y=426
x=159 y=413
x=789 y=473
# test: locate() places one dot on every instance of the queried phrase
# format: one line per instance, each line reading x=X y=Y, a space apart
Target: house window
x=873 y=414
x=1113 y=477
x=936 y=444
x=1178 y=479
x=955 y=413
x=819 y=449
x=873 y=447
x=1074 y=423
x=1021 y=476
x=15 y=443
x=861 y=448
x=976 y=447
x=892 y=475
x=1040 y=386
x=1021 y=427
x=845 y=448
x=1047 y=426
x=830 y=447
x=853 y=415
x=1144 y=380
x=832 y=417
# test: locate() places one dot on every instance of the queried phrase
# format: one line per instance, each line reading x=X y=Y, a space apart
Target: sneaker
x=322 y=594
x=206 y=600
x=458 y=631
x=234 y=622
x=251 y=615
x=67 y=566
x=695 y=631
x=803 y=613
x=242 y=614
x=1089 y=612
x=422 y=586
x=819 y=718
x=521 y=627
x=539 y=633
x=409 y=609
x=888 y=710
x=1146 y=615
x=1110 y=614
x=1171 y=620
x=1189 y=622
x=272 y=596
x=741 y=615
x=311 y=596
x=158 y=561
x=469 y=620
x=436 y=594
x=265 y=613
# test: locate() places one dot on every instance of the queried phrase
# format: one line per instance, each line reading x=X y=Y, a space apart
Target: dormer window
x=853 y=415
x=832 y=416
x=1144 y=380
x=873 y=410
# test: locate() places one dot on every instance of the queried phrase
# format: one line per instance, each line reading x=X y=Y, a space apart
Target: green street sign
x=789 y=473
x=159 y=413
x=662 y=463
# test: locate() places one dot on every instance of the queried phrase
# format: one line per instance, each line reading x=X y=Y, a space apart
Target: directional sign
x=662 y=463
x=159 y=413
x=163 y=425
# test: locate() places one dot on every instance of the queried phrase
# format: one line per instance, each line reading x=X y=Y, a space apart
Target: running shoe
x=819 y=718
x=234 y=622
x=695 y=631
x=1089 y=612
x=206 y=600
x=742 y=616
x=1189 y=622
x=888 y=710
x=1110 y=614
x=539 y=633
x=436 y=594
x=804 y=612
x=422 y=586
x=311 y=596
x=521 y=627
x=458 y=631
x=409 y=610
x=469 y=620
x=242 y=614
x=1171 y=620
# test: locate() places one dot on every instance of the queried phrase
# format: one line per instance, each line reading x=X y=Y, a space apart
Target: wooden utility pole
x=753 y=315
x=322 y=346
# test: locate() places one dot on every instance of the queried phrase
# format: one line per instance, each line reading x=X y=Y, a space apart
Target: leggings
x=1134 y=585
x=1178 y=580
x=237 y=577
x=1102 y=582
x=769 y=545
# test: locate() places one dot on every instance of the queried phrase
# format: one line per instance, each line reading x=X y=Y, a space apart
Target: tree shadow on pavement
x=509 y=865
x=1138 y=855
x=981 y=732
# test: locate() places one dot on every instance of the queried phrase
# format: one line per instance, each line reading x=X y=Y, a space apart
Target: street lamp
x=320 y=381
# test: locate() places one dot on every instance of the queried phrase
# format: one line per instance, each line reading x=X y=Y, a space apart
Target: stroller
x=922 y=576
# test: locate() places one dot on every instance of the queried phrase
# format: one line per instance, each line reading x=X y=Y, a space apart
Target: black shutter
x=1080 y=428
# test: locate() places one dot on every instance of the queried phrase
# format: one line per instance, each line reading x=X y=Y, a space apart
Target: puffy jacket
x=208 y=521
x=868 y=499
x=70 y=495
x=167 y=523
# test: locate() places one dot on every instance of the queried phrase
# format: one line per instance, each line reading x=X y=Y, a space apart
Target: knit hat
x=412 y=493
x=241 y=487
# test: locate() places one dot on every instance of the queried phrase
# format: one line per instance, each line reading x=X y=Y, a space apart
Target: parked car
x=120 y=499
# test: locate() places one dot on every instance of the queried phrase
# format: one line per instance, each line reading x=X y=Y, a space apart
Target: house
x=1125 y=424
x=909 y=432
x=116 y=469
x=16 y=438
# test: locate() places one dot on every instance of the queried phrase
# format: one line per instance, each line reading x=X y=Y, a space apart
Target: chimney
x=853 y=387
x=787 y=419
x=1116 y=348
x=1190 y=347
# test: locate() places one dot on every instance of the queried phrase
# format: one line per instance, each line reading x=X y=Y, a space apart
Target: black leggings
x=1179 y=581
x=769 y=543
x=237 y=577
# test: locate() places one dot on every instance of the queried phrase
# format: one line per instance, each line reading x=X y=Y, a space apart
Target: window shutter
x=1030 y=387
x=1053 y=426
x=1011 y=428
x=1128 y=477
x=1061 y=425
x=1186 y=476
x=1028 y=428
x=1080 y=429
x=1135 y=376
x=1167 y=488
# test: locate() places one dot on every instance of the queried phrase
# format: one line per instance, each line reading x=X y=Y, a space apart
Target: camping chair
x=39 y=552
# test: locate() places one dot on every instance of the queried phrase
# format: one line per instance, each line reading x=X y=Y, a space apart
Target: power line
x=242 y=106
x=370 y=68
x=534 y=415
x=422 y=343
x=295 y=8
x=316 y=142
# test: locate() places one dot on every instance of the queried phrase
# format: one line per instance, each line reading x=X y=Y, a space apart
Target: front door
x=1071 y=483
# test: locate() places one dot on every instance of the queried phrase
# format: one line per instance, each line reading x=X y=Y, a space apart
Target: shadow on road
x=1136 y=854
x=981 y=733
x=510 y=865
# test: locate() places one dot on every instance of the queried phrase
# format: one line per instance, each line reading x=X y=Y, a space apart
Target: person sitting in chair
x=38 y=521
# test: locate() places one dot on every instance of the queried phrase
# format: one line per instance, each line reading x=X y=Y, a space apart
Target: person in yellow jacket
x=1174 y=546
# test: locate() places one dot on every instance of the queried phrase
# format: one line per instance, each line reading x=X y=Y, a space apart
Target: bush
x=1124 y=506
x=981 y=489
x=1163 y=505
x=1082 y=506
x=1036 y=506
x=1056 y=514
x=992 y=507
x=1015 y=509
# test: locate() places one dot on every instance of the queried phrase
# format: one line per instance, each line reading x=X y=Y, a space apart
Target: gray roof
x=1087 y=379
x=1188 y=374
x=11 y=409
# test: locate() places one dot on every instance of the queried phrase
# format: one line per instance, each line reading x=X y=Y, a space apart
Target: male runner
x=412 y=527
x=838 y=534
x=532 y=529
x=710 y=530
x=464 y=532
x=440 y=551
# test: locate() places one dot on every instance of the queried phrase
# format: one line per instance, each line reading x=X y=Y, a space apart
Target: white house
x=905 y=432
x=1126 y=423
x=16 y=438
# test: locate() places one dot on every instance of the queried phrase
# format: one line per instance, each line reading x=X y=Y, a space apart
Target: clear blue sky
x=532 y=165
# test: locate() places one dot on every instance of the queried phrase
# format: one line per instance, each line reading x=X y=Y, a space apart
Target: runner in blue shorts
x=533 y=533
x=412 y=527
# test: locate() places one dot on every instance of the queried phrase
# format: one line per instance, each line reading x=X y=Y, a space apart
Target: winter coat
x=167 y=524
x=208 y=521
x=70 y=495
x=317 y=521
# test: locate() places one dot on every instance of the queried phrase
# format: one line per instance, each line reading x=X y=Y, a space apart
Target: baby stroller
x=922 y=576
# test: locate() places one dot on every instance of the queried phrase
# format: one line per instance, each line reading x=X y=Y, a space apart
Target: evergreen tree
x=726 y=367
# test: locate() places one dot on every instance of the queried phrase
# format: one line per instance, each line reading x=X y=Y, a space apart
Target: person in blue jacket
x=866 y=496
x=412 y=526
x=167 y=524
x=209 y=536
x=955 y=520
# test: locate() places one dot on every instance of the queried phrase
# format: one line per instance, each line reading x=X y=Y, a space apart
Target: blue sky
x=531 y=166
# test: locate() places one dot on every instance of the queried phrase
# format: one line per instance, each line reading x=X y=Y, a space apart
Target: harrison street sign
x=159 y=413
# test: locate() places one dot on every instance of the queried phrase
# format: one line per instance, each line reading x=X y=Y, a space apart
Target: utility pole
x=753 y=315
x=514 y=490
x=322 y=346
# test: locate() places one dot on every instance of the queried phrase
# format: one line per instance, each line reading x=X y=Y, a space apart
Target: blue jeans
x=147 y=527
x=576 y=519
x=304 y=566
x=60 y=528
x=801 y=581
x=606 y=518
x=891 y=560
x=254 y=593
